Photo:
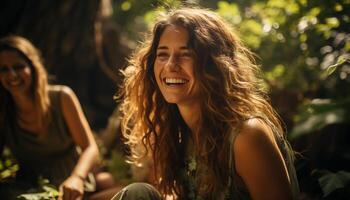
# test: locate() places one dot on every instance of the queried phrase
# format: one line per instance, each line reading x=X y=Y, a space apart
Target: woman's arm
x=82 y=136
x=259 y=162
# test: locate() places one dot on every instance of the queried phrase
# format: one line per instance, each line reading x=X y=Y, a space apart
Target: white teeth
x=15 y=82
x=175 y=81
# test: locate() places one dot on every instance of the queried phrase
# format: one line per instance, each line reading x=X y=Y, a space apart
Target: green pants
x=138 y=191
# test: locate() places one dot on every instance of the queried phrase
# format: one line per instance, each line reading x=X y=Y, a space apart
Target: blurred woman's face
x=15 y=72
x=174 y=67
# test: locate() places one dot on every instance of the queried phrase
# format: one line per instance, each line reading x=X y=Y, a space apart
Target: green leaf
x=315 y=11
x=332 y=68
x=119 y=167
x=330 y=181
x=50 y=189
x=126 y=5
x=333 y=22
x=303 y=2
x=44 y=191
x=37 y=196
x=229 y=11
x=276 y=3
x=292 y=8
x=5 y=174
x=338 y=7
x=318 y=114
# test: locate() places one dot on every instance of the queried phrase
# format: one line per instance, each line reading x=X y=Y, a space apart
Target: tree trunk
x=80 y=45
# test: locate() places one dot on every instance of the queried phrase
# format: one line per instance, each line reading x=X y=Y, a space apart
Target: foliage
x=330 y=181
x=8 y=169
x=8 y=165
x=119 y=168
x=296 y=39
x=319 y=113
x=303 y=47
x=45 y=191
x=297 y=43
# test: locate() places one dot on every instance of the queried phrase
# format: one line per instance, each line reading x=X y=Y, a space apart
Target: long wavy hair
x=38 y=89
x=231 y=89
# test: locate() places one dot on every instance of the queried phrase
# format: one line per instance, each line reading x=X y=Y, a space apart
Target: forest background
x=303 y=47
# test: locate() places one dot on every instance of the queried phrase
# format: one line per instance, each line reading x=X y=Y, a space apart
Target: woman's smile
x=174 y=67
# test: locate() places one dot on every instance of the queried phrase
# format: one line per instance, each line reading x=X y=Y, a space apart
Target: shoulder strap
x=233 y=190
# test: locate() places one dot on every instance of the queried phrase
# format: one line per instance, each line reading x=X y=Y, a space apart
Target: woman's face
x=174 y=67
x=15 y=72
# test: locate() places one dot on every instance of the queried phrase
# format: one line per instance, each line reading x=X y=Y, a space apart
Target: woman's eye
x=18 y=67
x=4 y=69
x=162 y=55
x=185 y=55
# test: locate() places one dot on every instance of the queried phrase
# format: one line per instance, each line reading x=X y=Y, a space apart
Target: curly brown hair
x=230 y=85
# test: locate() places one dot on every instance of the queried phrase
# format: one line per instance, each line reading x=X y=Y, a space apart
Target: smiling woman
x=15 y=73
x=174 y=67
x=43 y=125
x=192 y=102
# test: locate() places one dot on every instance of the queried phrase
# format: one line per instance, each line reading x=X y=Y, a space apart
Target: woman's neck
x=24 y=103
x=27 y=115
x=190 y=114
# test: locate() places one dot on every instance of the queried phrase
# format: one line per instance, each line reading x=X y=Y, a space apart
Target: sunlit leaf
x=37 y=196
x=5 y=174
x=8 y=163
x=51 y=190
x=318 y=114
x=332 y=68
x=277 y=72
x=45 y=191
x=118 y=166
x=292 y=8
x=303 y=2
x=324 y=29
x=347 y=46
x=303 y=38
x=315 y=11
x=126 y=5
x=229 y=11
x=276 y=3
x=333 y=22
x=338 y=7
x=253 y=26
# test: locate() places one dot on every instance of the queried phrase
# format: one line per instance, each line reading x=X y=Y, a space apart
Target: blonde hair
x=39 y=93
x=231 y=92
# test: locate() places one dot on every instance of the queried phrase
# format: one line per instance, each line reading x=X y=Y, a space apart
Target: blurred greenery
x=320 y=113
x=8 y=165
x=45 y=191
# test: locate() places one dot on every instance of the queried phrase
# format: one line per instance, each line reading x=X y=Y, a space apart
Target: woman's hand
x=72 y=188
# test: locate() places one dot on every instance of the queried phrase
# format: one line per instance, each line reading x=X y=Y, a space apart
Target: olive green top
x=236 y=189
x=52 y=155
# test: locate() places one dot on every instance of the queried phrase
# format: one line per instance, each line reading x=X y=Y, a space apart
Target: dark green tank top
x=52 y=155
x=235 y=190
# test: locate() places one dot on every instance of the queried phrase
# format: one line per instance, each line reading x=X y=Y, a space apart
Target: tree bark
x=80 y=45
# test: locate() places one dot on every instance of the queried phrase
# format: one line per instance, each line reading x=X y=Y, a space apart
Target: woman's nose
x=173 y=64
x=12 y=71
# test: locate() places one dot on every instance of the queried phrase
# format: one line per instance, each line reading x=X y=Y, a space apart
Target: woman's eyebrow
x=165 y=47
x=162 y=47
